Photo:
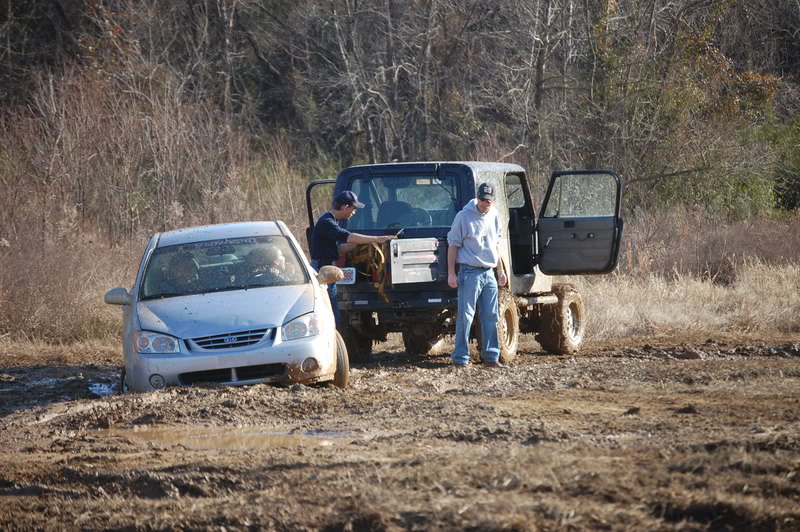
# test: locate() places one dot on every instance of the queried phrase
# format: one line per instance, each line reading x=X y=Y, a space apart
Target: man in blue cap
x=327 y=237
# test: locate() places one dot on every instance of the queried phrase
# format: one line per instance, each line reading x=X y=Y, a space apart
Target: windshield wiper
x=162 y=296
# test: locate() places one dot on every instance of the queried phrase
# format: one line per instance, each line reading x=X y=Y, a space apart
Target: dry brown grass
x=762 y=298
x=54 y=292
x=683 y=270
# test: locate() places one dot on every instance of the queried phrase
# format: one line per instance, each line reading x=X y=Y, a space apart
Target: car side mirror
x=329 y=274
x=117 y=296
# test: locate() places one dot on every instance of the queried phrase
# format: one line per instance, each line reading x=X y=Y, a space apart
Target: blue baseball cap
x=348 y=197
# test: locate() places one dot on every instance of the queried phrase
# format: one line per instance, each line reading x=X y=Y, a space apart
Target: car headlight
x=153 y=342
x=305 y=325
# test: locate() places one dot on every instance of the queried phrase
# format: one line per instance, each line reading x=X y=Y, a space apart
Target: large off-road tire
x=342 y=376
x=563 y=324
x=507 y=326
x=422 y=344
x=359 y=347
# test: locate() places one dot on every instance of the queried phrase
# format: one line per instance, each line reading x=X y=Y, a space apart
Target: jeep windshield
x=405 y=201
x=222 y=265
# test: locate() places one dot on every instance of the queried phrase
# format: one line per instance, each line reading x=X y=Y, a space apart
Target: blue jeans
x=476 y=287
x=333 y=292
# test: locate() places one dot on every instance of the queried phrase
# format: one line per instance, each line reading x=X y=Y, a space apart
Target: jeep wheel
x=342 y=376
x=507 y=326
x=416 y=344
x=563 y=324
x=359 y=347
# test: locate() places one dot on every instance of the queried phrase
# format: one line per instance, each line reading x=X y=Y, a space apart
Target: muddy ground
x=689 y=433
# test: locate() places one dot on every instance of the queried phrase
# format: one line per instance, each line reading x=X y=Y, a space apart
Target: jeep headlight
x=153 y=342
x=300 y=327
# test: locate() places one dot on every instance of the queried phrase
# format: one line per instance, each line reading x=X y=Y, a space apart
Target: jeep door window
x=582 y=195
x=579 y=230
x=395 y=202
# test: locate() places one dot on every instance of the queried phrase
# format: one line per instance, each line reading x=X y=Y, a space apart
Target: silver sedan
x=228 y=304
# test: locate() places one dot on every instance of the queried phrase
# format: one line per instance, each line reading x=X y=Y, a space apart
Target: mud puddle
x=251 y=438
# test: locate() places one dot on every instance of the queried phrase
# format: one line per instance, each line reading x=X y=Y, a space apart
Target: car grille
x=243 y=373
x=232 y=340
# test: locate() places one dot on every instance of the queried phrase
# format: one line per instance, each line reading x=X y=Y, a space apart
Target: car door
x=579 y=228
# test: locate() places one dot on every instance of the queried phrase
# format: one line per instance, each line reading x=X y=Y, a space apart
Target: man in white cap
x=327 y=236
x=473 y=244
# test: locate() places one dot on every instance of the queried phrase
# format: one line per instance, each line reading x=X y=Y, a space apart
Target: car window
x=395 y=202
x=222 y=265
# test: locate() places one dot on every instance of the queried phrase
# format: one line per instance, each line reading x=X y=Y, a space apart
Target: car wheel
x=359 y=347
x=422 y=344
x=563 y=324
x=507 y=326
x=342 y=376
x=122 y=386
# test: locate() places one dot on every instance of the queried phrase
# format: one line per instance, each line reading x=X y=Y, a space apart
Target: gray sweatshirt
x=476 y=235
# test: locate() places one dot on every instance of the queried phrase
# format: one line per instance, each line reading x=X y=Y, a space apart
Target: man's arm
x=500 y=269
x=452 y=278
x=357 y=238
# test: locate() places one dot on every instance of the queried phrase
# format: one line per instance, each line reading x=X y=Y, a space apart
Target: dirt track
x=692 y=435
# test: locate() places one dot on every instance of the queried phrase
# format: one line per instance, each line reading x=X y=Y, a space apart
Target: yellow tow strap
x=372 y=255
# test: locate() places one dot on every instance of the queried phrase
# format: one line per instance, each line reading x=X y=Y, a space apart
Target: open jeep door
x=579 y=228
x=319 y=195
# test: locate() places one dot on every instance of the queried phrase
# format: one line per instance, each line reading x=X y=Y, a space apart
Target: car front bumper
x=268 y=362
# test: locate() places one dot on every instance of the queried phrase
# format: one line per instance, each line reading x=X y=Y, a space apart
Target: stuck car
x=228 y=304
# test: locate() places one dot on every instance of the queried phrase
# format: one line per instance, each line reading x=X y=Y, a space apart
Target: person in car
x=328 y=237
x=181 y=275
x=265 y=265
x=473 y=244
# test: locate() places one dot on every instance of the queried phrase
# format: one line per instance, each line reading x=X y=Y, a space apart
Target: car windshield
x=396 y=202
x=222 y=265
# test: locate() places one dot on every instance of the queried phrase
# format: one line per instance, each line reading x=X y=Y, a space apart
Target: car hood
x=224 y=312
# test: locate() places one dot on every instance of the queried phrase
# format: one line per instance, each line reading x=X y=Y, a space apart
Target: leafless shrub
x=55 y=292
x=113 y=157
x=693 y=242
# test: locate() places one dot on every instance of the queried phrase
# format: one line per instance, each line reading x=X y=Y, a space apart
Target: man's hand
x=452 y=280
x=502 y=280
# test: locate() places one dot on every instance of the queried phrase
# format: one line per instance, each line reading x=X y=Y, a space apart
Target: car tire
x=342 y=376
x=416 y=344
x=507 y=326
x=563 y=324
x=122 y=386
x=359 y=347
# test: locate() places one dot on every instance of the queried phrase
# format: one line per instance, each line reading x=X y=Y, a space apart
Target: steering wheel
x=422 y=218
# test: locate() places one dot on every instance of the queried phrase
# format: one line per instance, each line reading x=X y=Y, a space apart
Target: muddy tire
x=359 y=347
x=507 y=326
x=422 y=344
x=342 y=376
x=564 y=323
x=122 y=386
